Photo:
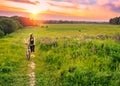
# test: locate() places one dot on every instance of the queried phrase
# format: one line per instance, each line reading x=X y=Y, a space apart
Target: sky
x=77 y=10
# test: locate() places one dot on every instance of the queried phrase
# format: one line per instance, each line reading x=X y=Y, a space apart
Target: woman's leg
x=33 y=48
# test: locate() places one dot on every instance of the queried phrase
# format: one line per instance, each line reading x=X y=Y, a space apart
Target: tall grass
x=13 y=64
x=71 y=62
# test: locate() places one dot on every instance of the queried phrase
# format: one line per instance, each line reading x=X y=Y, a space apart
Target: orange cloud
x=12 y=9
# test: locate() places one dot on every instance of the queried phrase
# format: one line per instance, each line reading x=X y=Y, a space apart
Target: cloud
x=102 y=2
x=113 y=7
x=11 y=9
x=90 y=9
x=76 y=1
x=66 y=8
x=26 y=6
x=116 y=6
x=81 y=10
x=25 y=1
x=63 y=5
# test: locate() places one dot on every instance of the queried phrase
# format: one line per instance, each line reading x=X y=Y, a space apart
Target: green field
x=66 y=55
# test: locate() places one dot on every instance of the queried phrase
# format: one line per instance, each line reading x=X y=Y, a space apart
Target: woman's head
x=31 y=35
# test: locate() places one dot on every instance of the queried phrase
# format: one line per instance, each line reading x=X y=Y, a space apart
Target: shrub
x=1 y=33
x=9 y=25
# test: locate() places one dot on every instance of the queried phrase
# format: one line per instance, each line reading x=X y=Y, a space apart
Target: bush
x=1 y=33
x=9 y=25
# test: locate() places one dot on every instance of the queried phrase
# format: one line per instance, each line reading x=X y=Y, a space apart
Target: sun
x=34 y=11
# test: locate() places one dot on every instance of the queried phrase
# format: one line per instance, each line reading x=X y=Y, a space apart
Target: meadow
x=66 y=55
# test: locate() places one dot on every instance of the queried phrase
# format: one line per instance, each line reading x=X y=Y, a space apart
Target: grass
x=66 y=55
x=88 y=29
x=76 y=63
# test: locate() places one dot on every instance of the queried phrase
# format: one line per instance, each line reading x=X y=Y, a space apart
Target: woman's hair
x=31 y=34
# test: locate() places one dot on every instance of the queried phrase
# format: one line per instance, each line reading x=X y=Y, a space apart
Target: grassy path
x=15 y=69
x=32 y=72
x=31 y=63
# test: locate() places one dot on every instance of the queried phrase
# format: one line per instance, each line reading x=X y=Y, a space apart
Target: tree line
x=115 y=21
x=11 y=24
x=69 y=22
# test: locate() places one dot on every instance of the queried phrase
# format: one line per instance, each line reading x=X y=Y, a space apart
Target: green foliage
x=82 y=63
x=115 y=21
x=8 y=25
x=13 y=64
x=1 y=33
x=11 y=24
x=24 y=21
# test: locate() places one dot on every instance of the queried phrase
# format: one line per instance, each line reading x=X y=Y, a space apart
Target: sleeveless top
x=31 y=40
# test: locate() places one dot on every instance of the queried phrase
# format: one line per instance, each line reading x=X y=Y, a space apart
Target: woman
x=31 y=44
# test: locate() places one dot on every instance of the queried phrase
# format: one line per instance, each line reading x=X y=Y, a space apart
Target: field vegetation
x=65 y=55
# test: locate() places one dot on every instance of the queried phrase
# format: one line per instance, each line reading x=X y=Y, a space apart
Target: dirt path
x=32 y=73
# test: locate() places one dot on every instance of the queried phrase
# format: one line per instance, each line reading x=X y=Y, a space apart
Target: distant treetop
x=115 y=21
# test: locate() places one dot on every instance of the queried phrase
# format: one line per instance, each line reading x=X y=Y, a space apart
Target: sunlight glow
x=33 y=11
x=38 y=8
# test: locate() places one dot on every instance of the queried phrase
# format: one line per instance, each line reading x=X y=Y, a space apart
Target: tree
x=8 y=25
x=25 y=21
x=16 y=18
x=115 y=20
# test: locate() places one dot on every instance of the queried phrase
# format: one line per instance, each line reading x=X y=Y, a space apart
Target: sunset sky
x=80 y=10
